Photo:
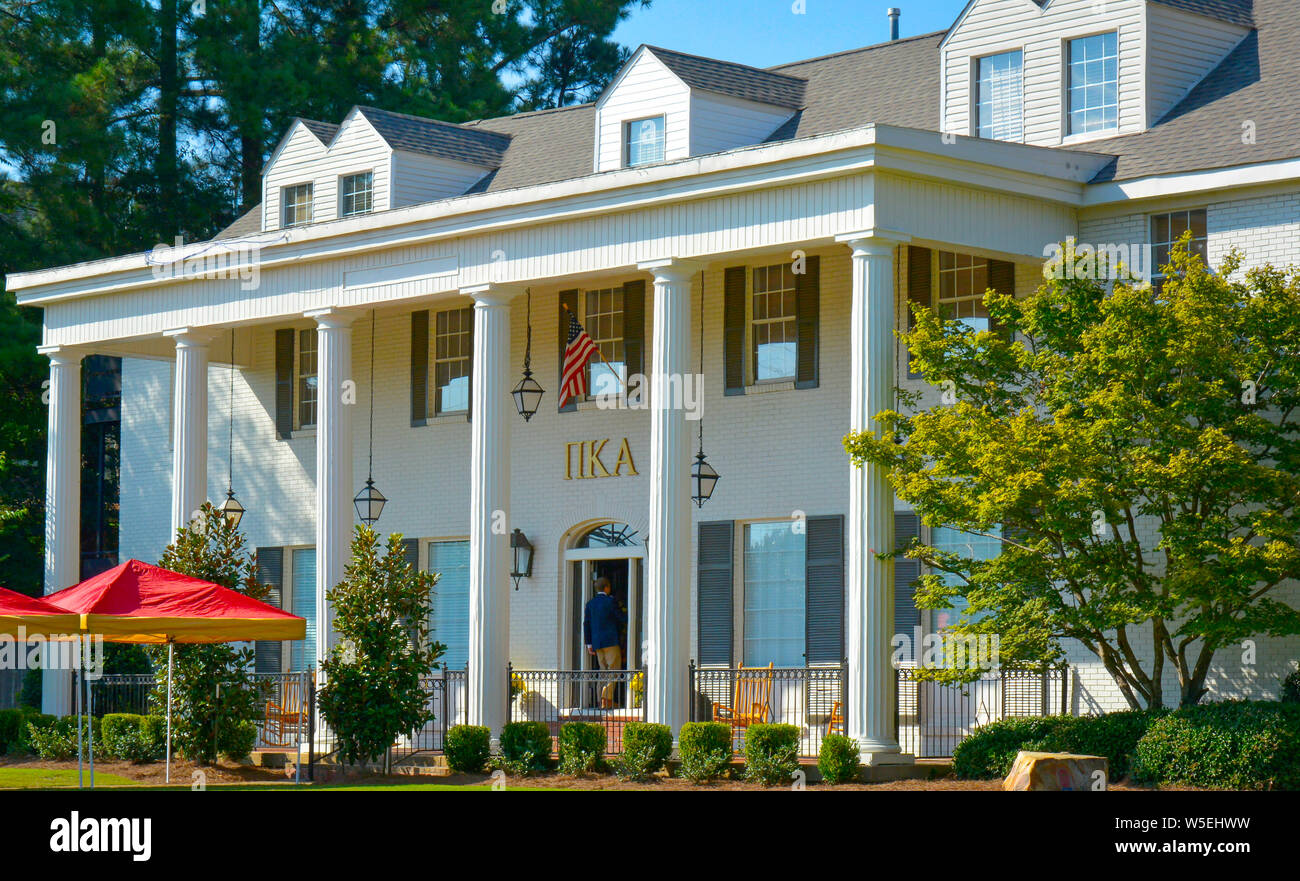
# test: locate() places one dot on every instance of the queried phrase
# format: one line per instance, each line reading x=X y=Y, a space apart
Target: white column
x=491 y=411
x=335 y=401
x=870 y=625
x=62 y=502
x=189 y=426
x=668 y=551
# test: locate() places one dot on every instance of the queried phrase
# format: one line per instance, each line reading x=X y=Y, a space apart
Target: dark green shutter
x=634 y=329
x=469 y=401
x=284 y=382
x=267 y=654
x=919 y=291
x=733 y=330
x=824 y=590
x=1002 y=278
x=907 y=526
x=570 y=299
x=411 y=552
x=420 y=367
x=715 y=579
x=807 y=307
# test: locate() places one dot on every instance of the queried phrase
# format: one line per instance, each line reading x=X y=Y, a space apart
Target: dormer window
x=644 y=141
x=999 y=96
x=1093 y=87
x=356 y=194
x=297 y=204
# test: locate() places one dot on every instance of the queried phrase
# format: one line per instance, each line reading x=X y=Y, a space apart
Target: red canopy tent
x=139 y=603
x=35 y=616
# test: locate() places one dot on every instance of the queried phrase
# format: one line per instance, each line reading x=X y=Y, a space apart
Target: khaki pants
x=610 y=658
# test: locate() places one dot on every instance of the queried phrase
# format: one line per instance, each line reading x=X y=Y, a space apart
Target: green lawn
x=61 y=778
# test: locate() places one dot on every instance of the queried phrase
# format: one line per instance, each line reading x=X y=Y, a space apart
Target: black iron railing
x=933 y=718
x=122 y=693
x=813 y=699
x=610 y=698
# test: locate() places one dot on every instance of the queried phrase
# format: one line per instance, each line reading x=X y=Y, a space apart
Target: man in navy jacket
x=602 y=620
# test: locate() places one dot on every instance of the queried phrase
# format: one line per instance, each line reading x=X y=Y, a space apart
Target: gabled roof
x=431 y=137
x=735 y=80
x=324 y=131
x=1234 y=11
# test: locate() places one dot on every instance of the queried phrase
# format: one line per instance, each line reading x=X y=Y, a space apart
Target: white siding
x=646 y=88
x=993 y=26
x=721 y=123
x=420 y=178
x=356 y=148
x=1182 y=49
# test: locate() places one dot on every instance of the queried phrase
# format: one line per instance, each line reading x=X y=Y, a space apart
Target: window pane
x=1093 y=83
x=450 y=620
x=451 y=360
x=355 y=194
x=1000 y=94
x=973 y=547
x=774 y=595
x=644 y=141
x=302 y=654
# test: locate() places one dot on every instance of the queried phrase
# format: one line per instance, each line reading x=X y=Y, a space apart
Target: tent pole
x=80 y=772
x=90 y=726
x=171 y=648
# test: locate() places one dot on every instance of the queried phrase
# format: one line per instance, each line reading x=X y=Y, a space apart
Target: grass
x=54 y=778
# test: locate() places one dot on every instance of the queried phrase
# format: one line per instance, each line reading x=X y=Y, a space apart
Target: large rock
x=1056 y=772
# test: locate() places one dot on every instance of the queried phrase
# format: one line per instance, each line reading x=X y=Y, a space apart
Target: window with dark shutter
x=268 y=654
x=824 y=590
x=907 y=526
x=420 y=367
x=284 y=382
x=569 y=300
x=733 y=330
x=807 y=310
x=634 y=330
x=1002 y=278
x=716 y=578
x=919 y=291
x=411 y=552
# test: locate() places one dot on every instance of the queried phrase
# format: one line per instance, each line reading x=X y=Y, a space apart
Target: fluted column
x=870 y=625
x=668 y=550
x=62 y=503
x=189 y=426
x=334 y=489
x=489 y=507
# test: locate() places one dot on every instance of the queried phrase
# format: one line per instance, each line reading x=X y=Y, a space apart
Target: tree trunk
x=165 y=167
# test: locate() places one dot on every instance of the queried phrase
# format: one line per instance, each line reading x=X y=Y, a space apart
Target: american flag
x=576 y=354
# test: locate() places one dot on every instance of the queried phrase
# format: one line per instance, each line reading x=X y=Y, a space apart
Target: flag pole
x=566 y=308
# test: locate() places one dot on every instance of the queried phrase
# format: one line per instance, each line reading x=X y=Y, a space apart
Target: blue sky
x=766 y=32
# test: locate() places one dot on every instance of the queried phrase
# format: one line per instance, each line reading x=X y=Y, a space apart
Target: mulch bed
x=156 y=772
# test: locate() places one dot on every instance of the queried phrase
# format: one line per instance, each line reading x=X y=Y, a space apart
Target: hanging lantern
x=703 y=478
x=522 y=549
x=527 y=395
x=370 y=503
x=231 y=510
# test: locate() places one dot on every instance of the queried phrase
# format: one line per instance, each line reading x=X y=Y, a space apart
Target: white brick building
x=687 y=190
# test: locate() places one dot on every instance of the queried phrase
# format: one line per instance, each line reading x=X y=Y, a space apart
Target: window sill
x=458 y=418
x=302 y=432
x=610 y=402
x=1099 y=135
x=763 y=388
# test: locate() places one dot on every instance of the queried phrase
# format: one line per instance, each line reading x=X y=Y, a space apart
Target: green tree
x=373 y=691
x=215 y=700
x=1135 y=451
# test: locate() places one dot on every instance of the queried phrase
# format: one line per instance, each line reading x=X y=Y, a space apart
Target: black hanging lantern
x=370 y=503
x=522 y=549
x=703 y=479
x=231 y=511
x=528 y=394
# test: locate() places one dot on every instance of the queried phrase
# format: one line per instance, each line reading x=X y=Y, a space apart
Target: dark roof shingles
x=736 y=80
x=442 y=139
x=1232 y=11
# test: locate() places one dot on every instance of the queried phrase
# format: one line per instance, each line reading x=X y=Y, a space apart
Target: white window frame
x=605 y=344
x=751 y=323
x=425 y=565
x=368 y=192
x=627 y=140
x=740 y=591
x=976 y=295
x=285 y=220
x=977 y=122
x=1067 y=82
x=466 y=331
x=299 y=396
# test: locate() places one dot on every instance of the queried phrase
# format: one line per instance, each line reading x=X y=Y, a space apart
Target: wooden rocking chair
x=835 y=724
x=287 y=718
x=752 y=701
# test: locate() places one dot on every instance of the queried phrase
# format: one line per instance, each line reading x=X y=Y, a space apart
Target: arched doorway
x=614 y=550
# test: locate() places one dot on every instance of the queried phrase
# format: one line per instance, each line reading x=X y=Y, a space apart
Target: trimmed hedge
x=581 y=747
x=56 y=738
x=1290 y=693
x=706 y=750
x=989 y=752
x=1230 y=745
x=771 y=753
x=646 y=748
x=838 y=759
x=525 y=747
x=468 y=748
x=133 y=738
x=13 y=730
